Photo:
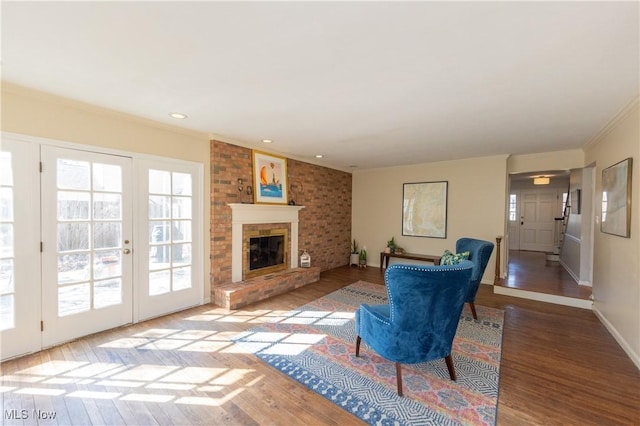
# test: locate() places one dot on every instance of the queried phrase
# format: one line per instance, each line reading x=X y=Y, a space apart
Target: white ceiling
x=366 y=84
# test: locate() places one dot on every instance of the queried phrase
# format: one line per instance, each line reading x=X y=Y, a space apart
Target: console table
x=384 y=258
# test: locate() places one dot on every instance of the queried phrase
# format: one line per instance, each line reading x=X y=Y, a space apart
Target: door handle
x=126 y=251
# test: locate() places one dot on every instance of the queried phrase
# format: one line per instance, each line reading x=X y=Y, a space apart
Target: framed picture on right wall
x=616 y=199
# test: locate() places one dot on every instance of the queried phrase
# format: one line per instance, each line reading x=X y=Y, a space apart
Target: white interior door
x=169 y=278
x=19 y=248
x=87 y=238
x=537 y=219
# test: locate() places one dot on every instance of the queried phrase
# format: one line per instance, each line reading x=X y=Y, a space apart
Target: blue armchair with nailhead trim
x=479 y=253
x=420 y=320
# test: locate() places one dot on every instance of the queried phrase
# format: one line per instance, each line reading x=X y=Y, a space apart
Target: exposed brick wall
x=325 y=223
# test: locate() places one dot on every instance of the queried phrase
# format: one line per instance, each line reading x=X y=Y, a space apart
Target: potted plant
x=354 y=254
x=391 y=244
x=363 y=259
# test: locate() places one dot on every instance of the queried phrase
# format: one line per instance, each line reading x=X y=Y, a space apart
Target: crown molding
x=619 y=117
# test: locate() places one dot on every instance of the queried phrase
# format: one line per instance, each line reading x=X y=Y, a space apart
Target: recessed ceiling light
x=266 y=141
x=319 y=155
x=178 y=115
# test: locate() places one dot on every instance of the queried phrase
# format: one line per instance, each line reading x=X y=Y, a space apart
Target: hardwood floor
x=530 y=270
x=559 y=367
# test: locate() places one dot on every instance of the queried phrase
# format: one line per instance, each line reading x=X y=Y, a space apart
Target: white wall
x=476 y=205
x=571 y=249
x=34 y=113
x=616 y=275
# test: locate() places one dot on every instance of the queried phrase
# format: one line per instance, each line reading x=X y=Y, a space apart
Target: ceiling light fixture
x=178 y=115
x=541 y=180
x=319 y=156
x=266 y=141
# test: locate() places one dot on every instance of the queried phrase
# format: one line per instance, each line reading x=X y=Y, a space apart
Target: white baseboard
x=623 y=343
x=541 y=297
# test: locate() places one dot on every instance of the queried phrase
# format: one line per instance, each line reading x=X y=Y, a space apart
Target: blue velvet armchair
x=479 y=254
x=421 y=319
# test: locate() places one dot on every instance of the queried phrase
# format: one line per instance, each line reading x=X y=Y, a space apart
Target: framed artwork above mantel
x=269 y=178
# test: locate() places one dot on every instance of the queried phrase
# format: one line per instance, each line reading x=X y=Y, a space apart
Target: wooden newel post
x=497 y=279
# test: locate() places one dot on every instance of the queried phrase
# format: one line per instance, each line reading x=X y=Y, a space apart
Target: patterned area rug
x=315 y=345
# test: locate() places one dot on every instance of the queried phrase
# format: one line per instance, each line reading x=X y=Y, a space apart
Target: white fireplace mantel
x=242 y=214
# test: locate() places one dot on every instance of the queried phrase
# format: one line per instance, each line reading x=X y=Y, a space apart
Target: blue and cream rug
x=315 y=345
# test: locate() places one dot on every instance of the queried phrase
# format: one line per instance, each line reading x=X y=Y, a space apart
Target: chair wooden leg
x=452 y=371
x=358 y=346
x=473 y=310
x=399 y=376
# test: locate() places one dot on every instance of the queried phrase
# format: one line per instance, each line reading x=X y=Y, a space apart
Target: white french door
x=87 y=238
x=68 y=224
x=19 y=249
x=169 y=278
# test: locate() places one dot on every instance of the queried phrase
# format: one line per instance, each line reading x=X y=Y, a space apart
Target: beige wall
x=34 y=113
x=557 y=160
x=616 y=275
x=476 y=203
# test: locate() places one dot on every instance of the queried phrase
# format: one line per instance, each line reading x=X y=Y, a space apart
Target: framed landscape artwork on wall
x=269 y=178
x=424 y=209
x=616 y=199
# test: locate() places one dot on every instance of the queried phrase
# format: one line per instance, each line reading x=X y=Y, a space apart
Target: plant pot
x=355 y=257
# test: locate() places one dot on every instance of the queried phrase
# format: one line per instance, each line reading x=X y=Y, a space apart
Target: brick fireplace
x=248 y=219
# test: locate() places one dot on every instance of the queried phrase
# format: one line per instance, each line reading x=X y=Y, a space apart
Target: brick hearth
x=242 y=293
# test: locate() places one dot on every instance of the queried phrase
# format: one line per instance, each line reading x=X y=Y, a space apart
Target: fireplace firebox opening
x=267 y=251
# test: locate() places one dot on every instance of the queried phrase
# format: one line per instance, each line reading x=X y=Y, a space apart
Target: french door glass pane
x=73 y=205
x=169 y=252
x=6 y=204
x=107 y=235
x=73 y=299
x=6 y=276
x=107 y=177
x=181 y=184
x=159 y=207
x=107 y=264
x=6 y=240
x=159 y=232
x=7 y=282
x=159 y=282
x=7 y=312
x=107 y=293
x=182 y=231
x=107 y=206
x=181 y=254
x=159 y=182
x=73 y=236
x=6 y=170
x=73 y=174
x=181 y=278
x=181 y=208
x=74 y=268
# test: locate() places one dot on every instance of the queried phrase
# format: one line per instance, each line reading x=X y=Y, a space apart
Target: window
x=512 y=207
